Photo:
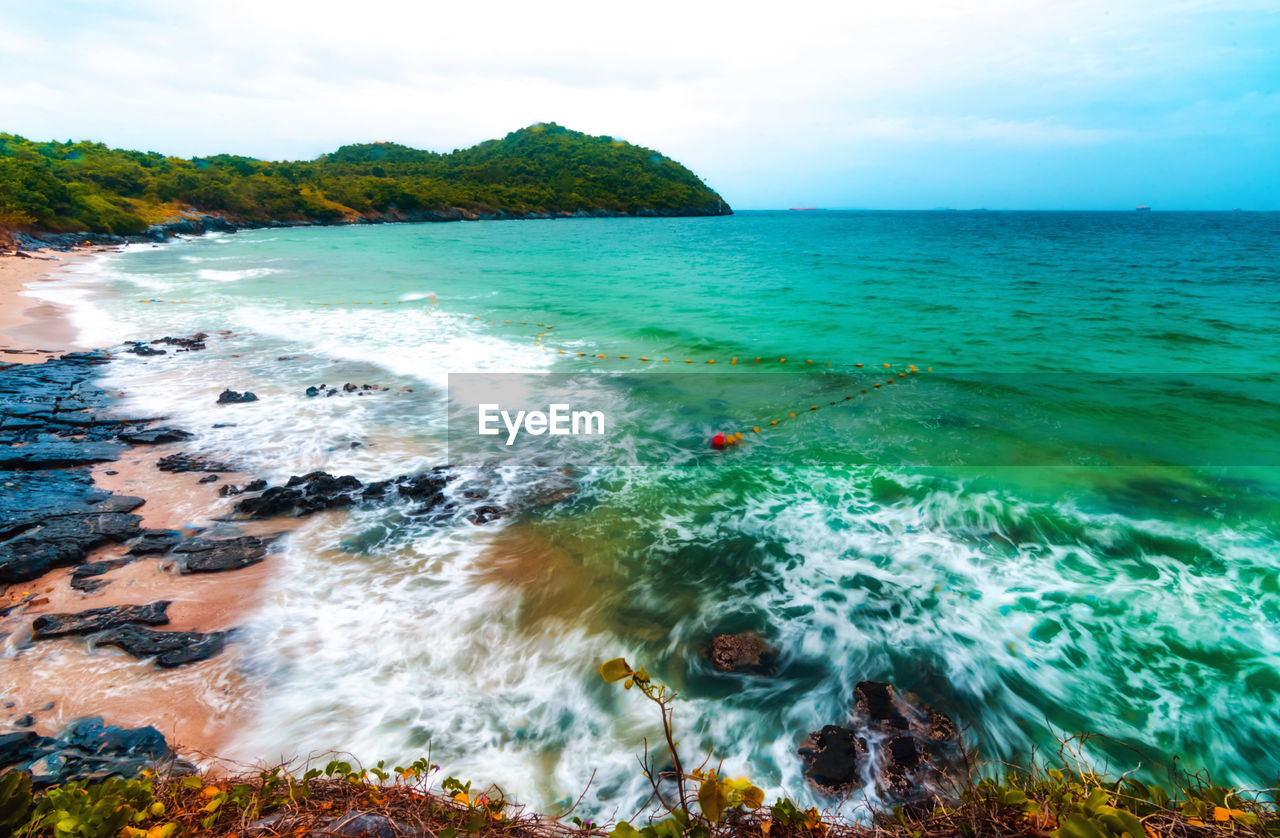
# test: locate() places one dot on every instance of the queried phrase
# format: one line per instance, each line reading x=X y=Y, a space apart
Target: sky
x=893 y=104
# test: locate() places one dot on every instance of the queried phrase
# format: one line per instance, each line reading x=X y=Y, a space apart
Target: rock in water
x=85 y=576
x=169 y=648
x=876 y=701
x=745 y=652
x=181 y=463
x=232 y=397
x=99 y=619
x=202 y=555
x=914 y=748
x=155 y=436
x=832 y=759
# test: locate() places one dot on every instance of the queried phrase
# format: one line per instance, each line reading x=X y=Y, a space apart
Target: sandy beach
x=198 y=706
x=32 y=329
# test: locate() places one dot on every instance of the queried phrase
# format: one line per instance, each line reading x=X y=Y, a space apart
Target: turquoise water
x=1094 y=544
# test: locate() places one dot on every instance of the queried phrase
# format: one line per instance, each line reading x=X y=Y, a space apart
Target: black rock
x=832 y=759
x=60 y=541
x=312 y=392
x=900 y=760
x=303 y=495
x=169 y=648
x=179 y=463
x=232 y=397
x=140 y=348
x=485 y=514
x=201 y=555
x=155 y=541
x=85 y=577
x=423 y=486
x=191 y=344
x=18 y=748
x=875 y=701
x=26 y=721
x=154 y=436
x=91 y=750
x=51 y=452
x=212 y=478
x=99 y=619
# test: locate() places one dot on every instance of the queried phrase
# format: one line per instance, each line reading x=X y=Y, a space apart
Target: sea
x=1025 y=466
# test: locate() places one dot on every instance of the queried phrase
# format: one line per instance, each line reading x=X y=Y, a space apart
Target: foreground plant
x=716 y=795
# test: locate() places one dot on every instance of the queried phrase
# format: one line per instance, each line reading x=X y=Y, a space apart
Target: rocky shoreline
x=197 y=224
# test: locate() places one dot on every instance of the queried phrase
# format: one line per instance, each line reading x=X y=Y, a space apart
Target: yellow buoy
x=644 y=359
x=712 y=361
x=782 y=360
x=857 y=365
x=756 y=429
x=792 y=415
x=734 y=361
x=774 y=422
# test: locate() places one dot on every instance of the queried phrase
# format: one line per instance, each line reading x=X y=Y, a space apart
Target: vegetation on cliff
x=541 y=170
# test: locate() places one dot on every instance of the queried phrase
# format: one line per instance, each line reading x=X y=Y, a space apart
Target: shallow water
x=1092 y=547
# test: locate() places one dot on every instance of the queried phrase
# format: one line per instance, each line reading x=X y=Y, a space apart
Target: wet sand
x=30 y=329
x=199 y=706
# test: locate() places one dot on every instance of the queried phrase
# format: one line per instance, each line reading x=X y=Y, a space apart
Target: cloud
x=727 y=89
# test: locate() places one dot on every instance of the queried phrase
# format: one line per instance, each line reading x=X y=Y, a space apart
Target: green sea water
x=1066 y=521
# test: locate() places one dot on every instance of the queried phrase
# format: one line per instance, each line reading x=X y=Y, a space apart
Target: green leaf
x=624 y=830
x=1013 y=797
x=615 y=670
x=1076 y=825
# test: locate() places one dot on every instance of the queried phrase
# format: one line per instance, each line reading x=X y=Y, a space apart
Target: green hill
x=541 y=171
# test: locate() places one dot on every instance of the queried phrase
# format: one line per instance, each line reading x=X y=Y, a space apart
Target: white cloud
x=723 y=87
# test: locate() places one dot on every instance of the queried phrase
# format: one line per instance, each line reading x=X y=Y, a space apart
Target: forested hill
x=541 y=171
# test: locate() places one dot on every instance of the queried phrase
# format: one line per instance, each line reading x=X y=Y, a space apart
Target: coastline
x=198 y=706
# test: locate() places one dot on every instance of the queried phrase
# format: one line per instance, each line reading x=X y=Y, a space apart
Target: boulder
x=746 y=652
x=232 y=397
x=833 y=758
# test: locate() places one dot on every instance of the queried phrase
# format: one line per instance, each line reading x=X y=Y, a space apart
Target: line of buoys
x=724 y=439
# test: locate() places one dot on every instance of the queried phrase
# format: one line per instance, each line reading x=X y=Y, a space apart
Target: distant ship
x=803 y=209
x=1144 y=209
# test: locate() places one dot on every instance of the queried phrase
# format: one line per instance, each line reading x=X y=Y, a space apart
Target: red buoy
x=718 y=442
